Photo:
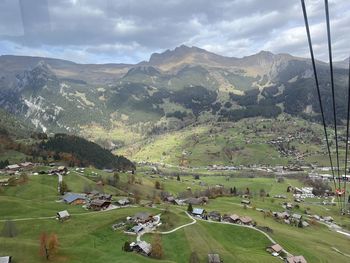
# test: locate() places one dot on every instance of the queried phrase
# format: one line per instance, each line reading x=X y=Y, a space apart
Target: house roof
x=25 y=164
x=99 y=202
x=296 y=259
x=146 y=247
x=214 y=213
x=234 y=217
x=63 y=214
x=276 y=247
x=297 y=216
x=246 y=219
x=214 y=258
x=198 y=211
x=13 y=166
x=142 y=215
x=71 y=197
x=123 y=201
x=137 y=228
x=5 y=259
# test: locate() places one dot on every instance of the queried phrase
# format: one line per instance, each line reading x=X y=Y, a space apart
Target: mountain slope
x=172 y=90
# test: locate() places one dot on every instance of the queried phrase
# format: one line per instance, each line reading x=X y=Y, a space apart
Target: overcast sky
x=129 y=31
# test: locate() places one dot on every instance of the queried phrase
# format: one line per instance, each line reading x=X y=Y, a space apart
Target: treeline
x=267 y=111
x=85 y=152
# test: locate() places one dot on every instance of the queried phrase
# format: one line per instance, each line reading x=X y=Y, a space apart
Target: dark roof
x=99 y=202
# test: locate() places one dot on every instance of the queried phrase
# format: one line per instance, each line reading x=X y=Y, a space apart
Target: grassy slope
x=205 y=144
x=95 y=240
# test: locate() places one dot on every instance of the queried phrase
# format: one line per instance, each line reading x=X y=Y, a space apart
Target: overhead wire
x=347 y=141
x=318 y=91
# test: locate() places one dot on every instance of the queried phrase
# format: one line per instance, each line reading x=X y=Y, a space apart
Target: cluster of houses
x=192 y=200
x=277 y=251
x=216 y=216
x=291 y=219
x=59 y=170
x=93 y=200
x=304 y=192
x=13 y=169
x=141 y=222
x=327 y=177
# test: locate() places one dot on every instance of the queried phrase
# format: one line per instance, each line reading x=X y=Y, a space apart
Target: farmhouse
x=63 y=215
x=295 y=259
x=198 y=212
x=123 y=202
x=214 y=258
x=74 y=199
x=179 y=202
x=214 y=215
x=296 y=216
x=234 y=218
x=7 y=259
x=246 y=220
x=99 y=204
x=142 y=217
x=26 y=165
x=13 y=167
x=142 y=247
x=137 y=229
x=275 y=249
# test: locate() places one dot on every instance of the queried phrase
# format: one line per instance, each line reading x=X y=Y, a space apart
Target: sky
x=129 y=31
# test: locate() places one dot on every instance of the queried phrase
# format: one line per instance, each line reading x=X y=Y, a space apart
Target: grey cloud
x=132 y=29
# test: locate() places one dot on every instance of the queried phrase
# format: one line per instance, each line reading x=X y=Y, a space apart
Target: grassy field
x=245 y=142
x=96 y=242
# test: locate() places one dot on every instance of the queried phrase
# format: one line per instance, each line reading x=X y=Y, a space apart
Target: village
x=195 y=206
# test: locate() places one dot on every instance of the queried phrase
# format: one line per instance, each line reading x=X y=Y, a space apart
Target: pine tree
x=63 y=188
x=190 y=208
x=234 y=191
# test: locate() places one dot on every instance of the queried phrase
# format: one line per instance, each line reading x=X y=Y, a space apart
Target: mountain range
x=172 y=90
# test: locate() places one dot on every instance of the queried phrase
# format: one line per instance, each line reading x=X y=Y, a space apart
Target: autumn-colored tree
x=48 y=245
x=157 y=248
